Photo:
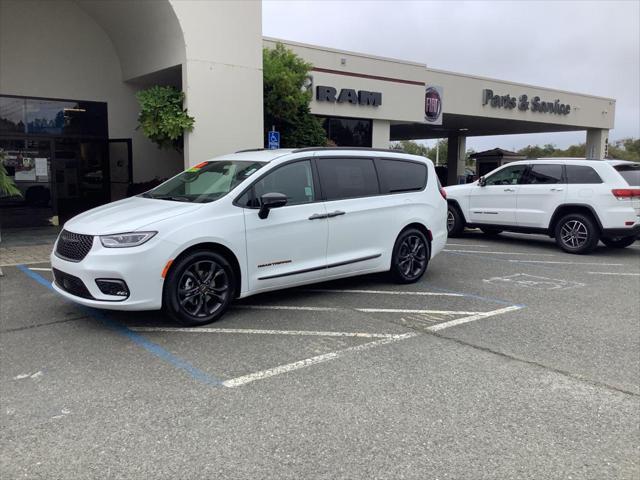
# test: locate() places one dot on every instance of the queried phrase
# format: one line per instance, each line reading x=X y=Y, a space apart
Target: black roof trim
x=366 y=149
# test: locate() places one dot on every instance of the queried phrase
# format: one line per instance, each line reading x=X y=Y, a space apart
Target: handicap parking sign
x=273 y=139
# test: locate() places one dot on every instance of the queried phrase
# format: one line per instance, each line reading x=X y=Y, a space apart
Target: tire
x=410 y=256
x=199 y=288
x=455 y=221
x=619 y=242
x=577 y=233
x=492 y=232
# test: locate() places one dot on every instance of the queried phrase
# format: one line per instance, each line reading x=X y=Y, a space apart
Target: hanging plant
x=162 y=118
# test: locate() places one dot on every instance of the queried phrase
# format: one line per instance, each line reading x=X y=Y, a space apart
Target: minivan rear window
x=582 y=174
x=347 y=177
x=630 y=172
x=401 y=176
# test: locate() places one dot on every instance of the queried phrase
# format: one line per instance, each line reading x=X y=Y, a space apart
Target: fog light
x=113 y=286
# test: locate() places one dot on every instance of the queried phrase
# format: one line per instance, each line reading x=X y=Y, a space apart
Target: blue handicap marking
x=273 y=140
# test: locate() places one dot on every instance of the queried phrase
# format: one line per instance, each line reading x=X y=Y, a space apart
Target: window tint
x=544 y=174
x=507 y=176
x=347 y=177
x=399 y=176
x=582 y=174
x=294 y=180
x=630 y=172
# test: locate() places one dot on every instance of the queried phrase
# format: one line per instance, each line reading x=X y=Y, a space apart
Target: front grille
x=71 y=284
x=73 y=246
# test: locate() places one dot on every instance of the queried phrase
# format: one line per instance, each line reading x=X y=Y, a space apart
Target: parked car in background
x=251 y=222
x=576 y=201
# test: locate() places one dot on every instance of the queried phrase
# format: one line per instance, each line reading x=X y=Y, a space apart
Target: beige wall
x=222 y=75
x=64 y=53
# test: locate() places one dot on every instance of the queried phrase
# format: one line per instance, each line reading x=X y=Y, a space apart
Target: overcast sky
x=589 y=47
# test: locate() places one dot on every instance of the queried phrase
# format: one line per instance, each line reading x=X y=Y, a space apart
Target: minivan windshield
x=205 y=182
x=630 y=172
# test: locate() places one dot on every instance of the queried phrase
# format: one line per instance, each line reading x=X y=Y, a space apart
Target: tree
x=162 y=117
x=286 y=101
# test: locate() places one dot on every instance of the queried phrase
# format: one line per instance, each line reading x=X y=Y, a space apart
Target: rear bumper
x=621 y=232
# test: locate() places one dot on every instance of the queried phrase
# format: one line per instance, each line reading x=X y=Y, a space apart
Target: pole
x=437 y=152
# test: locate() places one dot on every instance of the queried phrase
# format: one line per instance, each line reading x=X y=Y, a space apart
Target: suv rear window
x=543 y=174
x=347 y=177
x=401 y=176
x=582 y=174
x=630 y=172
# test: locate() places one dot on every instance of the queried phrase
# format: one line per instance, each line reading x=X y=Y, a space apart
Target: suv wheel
x=618 y=242
x=577 y=233
x=492 y=232
x=410 y=256
x=455 y=222
x=199 y=288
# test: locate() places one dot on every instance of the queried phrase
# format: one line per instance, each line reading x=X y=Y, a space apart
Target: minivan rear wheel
x=410 y=256
x=199 y=288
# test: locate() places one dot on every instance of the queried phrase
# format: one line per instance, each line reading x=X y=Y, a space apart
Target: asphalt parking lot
x=510 y=359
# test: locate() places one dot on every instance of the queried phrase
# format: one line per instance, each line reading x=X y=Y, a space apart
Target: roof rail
x=367 y=149
x=251 y=150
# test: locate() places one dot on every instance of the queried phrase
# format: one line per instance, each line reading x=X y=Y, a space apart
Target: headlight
x=122 y=240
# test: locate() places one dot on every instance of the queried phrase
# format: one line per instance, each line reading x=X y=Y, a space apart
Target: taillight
x=622 y=193
x=443 y=192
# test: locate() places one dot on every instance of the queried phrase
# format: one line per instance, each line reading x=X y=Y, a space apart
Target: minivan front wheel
x=410 y=256
x=199 y=288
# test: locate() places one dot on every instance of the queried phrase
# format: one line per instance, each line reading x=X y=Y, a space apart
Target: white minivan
x=250 y=222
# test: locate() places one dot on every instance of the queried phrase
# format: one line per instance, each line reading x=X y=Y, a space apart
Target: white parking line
x=364 y=310
x=569 y=263
x=502 y=253
x=385 y=292
x=40 y=269
x=472 y=318
x=466 y=245
x=402 y=310
x=616 y=273
x=289 y=367
x=263 y=332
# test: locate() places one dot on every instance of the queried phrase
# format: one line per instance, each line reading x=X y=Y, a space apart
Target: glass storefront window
x=12 y=115
x=348 y=132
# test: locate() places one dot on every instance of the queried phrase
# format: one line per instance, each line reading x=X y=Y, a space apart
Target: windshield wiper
x=175 y=198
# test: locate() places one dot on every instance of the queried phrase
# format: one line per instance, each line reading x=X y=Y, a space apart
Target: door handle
x=335 y=214
x=509 y=189
x=317 y=216
x=557 y=189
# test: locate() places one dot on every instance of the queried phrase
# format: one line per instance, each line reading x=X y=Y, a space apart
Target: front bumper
x=140 y=267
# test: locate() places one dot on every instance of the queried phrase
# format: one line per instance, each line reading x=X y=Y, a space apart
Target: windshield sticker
x=197 y=167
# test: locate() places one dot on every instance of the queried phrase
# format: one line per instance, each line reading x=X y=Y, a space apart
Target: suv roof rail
x=251 y=150
x=368 y=149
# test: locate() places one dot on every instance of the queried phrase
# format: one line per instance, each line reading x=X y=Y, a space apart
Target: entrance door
x=495 y=203
x=28 y=164
x=120 y=167
x=81 y=174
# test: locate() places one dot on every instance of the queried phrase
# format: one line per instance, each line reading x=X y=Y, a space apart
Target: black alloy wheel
x=620 y=242
x=199 y=289
x=455 y=221
x=410 y=256
x=491 y=232
x=577 y=233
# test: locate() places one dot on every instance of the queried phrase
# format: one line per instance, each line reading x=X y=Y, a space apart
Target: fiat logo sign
x=432 y=104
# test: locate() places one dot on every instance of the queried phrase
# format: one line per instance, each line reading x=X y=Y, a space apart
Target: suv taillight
x=443 y=192
x=622 y=193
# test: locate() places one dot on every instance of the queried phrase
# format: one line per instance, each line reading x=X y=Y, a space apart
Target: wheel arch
x=422 y=228
x=568 y=208
x=220 y=249
x=454 y=203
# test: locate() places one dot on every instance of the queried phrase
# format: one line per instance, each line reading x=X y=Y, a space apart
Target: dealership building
x=68 y=112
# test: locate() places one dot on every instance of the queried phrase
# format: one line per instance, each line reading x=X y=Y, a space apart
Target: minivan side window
x=544 y=174
x=347 y=177
x=294 y=180
x=401 y=176
x=582 y=174
x=507 y=176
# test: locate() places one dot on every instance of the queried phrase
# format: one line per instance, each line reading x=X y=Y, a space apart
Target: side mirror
x=269 y=201
x=481 y=181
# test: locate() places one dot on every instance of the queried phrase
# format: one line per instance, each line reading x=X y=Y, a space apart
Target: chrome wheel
x=451 y=221
x=574 y=234
x=412 y=256
x=203 y=288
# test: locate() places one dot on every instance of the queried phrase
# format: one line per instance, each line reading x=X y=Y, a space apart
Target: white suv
x=576 y=201
x=251 y=222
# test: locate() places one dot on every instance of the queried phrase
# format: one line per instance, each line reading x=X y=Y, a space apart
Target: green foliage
x=415 y=148
x=625 y=149
x=7 y=187
x=286 y=101
x=162 y=118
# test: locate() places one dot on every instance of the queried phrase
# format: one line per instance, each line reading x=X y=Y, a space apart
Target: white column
x=597 y=143
x=456 y=152
x=380 y=134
